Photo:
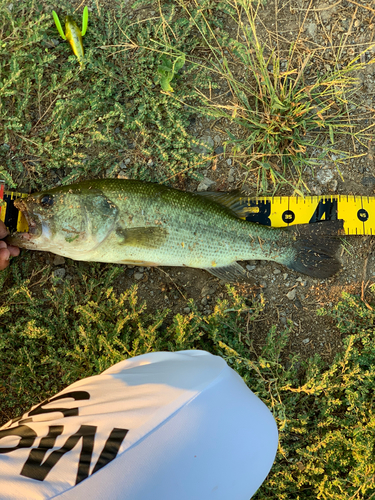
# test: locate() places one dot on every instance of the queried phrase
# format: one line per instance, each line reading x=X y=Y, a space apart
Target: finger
x=3 y=244
x=14 y=251
x=3 y=230
x=4 y=258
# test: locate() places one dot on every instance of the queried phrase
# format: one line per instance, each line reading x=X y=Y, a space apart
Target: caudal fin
x=316 y=247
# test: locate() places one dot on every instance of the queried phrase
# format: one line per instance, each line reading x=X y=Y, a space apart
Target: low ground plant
x=60 y=123
x=52 y=335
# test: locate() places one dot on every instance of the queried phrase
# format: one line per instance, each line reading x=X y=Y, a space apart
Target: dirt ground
x=335 y=30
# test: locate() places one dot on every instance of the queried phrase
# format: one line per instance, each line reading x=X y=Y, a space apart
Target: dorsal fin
x=234 y=200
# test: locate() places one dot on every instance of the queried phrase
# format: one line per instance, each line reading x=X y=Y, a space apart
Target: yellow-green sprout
x=72 y=33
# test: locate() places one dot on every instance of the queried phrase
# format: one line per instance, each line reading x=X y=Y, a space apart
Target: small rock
x=250 y=268
x=368 y=181
x=229 y=161
x=117 y=130
x=263 y=284
x=324 y=176
x=186 y=310
x=207 y=145
x=129 y=272
x=58 y=260
x=276 y=271
x=150 y=163
x=306 y=341
x=205 y=184
x=217 y=139
x=312 y=28
x=204 y=301
x=219 y=150
x=141 y=269
x=127 y=161
x=122 y=175
x=138 y=276
x=292 y=294
x=59 y=273
x=208 y=290
x=285 y=275
x=230 y=175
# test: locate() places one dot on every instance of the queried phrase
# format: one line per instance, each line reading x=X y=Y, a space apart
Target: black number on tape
x=326 y=210
x=288 y=216
x=362 y=215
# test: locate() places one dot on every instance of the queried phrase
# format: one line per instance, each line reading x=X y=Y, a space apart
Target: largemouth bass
x=140 y=223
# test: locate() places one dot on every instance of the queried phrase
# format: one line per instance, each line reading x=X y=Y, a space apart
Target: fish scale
x=134 y=222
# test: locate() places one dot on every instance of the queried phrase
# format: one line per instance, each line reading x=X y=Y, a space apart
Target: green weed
x=168 y=69
x=60 y=124
x=52 y=335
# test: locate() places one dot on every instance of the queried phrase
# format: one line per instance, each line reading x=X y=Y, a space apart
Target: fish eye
x=46 y=201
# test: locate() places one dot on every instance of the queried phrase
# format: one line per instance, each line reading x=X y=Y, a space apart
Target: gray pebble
x=324 y=176
x=58 y=260
x=306 y=341
x=204 y=301
x=208 y=290
x=219 y=150
x=292 y=294
x=229 y=161
x=276 y=271
x=59 y=273
x=186 y=310
x=368 y=181
x=138 y=276
x=206 y=184
x=250 y=268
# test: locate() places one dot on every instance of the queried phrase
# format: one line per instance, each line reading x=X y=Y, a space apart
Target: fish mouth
x=35 y=229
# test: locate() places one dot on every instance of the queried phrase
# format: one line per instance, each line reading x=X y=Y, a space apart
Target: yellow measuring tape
x=358 y=212
x=10 y=215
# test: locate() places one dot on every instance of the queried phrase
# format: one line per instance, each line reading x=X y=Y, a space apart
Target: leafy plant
x=168 y=69
x=52 y=335
x=60 y=124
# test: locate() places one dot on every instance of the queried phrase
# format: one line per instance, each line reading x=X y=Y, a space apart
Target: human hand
x=6 y=251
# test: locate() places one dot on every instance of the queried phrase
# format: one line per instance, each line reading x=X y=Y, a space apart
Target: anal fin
x=230 y=274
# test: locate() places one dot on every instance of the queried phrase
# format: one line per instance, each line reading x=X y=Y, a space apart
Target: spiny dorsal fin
x=234 y=200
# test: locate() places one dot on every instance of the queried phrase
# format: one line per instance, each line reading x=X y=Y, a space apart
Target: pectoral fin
x=143 y=237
